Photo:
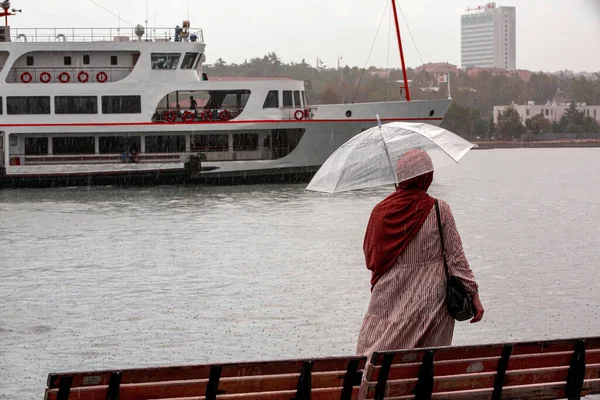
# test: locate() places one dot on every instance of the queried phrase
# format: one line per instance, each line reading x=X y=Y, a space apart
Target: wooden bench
x=534 y=370
x=319 y=379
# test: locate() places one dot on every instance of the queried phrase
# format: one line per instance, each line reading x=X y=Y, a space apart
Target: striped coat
x=407 y=308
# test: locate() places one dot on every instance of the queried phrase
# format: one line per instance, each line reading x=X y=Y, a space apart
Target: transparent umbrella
x=369 y=158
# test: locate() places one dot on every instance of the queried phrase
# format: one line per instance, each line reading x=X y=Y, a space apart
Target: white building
x=488 y=37
x=551 y=111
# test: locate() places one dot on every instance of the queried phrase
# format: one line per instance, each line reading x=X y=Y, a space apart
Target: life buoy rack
x=207 y=115
x=170 y=116
x=64 y=77
x=299 y=114
x=188 y=116
x=307 y=113
x=83 y=76
x=26 y=77
x=225 y=115
x=45 y=77
x=101 y=77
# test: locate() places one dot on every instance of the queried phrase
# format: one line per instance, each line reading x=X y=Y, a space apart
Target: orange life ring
x=101 y=77
x=207 y=115
x=225 y=115
x=170 y=116
x=45 y=77
x=26 y=77
x=83 y=76
x=299 y=114
x=307 y=113
x=64 y=77
x=188 y=116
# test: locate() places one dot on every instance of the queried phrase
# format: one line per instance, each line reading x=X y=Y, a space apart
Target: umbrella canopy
x=369 y=158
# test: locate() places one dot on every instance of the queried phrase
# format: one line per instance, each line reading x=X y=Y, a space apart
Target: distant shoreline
x=573 y=143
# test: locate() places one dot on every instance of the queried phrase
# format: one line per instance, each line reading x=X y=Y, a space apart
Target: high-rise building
x=488 y=37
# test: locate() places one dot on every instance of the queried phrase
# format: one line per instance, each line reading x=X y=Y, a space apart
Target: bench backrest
x=540 y=370
x=319 y=379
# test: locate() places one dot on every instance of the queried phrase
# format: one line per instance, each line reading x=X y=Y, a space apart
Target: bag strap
x=439 y=222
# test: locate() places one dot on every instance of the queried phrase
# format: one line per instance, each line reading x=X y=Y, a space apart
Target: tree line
x=471 y=113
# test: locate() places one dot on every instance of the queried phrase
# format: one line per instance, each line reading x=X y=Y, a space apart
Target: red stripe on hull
x=265 y=121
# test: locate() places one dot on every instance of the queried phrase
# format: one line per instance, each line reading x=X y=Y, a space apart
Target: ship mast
x=405 y=87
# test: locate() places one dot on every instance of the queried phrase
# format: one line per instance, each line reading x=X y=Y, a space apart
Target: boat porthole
x=348 y=113
x=431 y=113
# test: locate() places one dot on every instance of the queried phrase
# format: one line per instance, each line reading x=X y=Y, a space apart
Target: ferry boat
x=101 y=105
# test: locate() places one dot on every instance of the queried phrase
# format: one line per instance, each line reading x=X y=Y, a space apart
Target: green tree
x=491 y=127
x=538 y=124
x=329 y=96
x=509 y=124
x=458 y=119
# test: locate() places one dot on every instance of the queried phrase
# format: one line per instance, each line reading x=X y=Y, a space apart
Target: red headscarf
x=396 y=220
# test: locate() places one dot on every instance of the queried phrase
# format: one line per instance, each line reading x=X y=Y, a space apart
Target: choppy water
x=107 y=278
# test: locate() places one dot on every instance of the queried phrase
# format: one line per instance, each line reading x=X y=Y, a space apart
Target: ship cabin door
x=278 y=143
x=2 y=144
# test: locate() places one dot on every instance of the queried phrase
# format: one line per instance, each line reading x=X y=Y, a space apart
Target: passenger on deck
x=403 y=250
x=193 y=104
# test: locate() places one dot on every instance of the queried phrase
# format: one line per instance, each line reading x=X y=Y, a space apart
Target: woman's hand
x=477 y=308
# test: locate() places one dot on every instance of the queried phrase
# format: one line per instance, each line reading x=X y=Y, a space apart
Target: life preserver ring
x=299 y=114
x=307 y=113
x=225 y=115
x=64 y=77
x=170 y=116
x=207 y=115
x=83 y=76
x=26 y=77
x=188 y=116
x=45 y=77
x=101 y=77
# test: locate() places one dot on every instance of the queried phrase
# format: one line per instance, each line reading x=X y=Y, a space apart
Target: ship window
x=114 y=60
x=304 y=98
x=2 y=108
x=165 y=60
x=121 y=104
x=29 y=61
x=165 y=144
x=73 y=145
x=245 y=141
x=198 y=61
x=16 y=105
x=75 y=105
x=118 y=144
x=272 y=100
x=210 y=143
x=188 y=60
x=67 y=60
x=297 y=98
x=86 y=59
x=287 y=98
x=36 y=146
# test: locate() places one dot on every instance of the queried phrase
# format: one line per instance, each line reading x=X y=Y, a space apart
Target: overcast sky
x=551 y=34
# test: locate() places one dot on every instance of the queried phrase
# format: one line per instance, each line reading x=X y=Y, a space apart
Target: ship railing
x=75 y=75
x=98 y=35
x=199 y=115
x=106 y=158
x=289 y=113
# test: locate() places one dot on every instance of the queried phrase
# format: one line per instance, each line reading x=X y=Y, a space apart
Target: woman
x=403 y=250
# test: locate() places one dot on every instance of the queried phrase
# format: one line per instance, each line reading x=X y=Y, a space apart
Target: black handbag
x=458 y=302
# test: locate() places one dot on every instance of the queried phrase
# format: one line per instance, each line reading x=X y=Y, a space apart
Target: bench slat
x=533 y=392
x=165 y=374
x=316 y=394
x=236 y=385
x=484 y=351
x=443 y=368
x=485 y=380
